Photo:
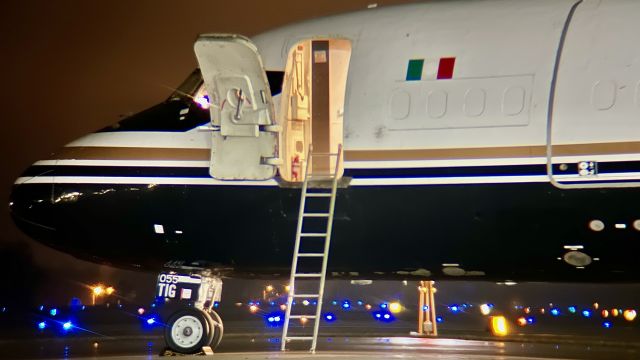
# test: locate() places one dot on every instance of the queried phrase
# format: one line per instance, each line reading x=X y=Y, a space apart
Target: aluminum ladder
x=307 y=237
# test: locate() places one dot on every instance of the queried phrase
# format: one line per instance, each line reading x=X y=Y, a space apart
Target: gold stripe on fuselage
x=131 y=153
x=494 y=152
x=138 y=153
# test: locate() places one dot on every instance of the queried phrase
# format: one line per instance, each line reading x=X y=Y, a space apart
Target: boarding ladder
x=304 y=240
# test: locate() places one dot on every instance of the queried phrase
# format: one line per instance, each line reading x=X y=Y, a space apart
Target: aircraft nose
x=30 y=205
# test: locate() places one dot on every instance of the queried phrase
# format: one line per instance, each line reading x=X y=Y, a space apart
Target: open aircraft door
x=313 y=105
x=245 y=136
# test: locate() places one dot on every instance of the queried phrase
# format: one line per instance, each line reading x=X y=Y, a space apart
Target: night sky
x=71 y=67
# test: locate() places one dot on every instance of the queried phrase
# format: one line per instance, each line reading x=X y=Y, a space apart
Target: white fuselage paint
x=498 y=97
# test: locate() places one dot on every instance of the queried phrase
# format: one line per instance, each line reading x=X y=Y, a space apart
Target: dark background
x=71 y=67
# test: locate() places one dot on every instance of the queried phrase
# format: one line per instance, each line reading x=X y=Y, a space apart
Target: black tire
x=188 y=330
x=218 y=329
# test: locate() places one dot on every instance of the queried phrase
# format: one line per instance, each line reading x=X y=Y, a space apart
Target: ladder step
x=310 y=317
x=308 y=275
x=288 y=338
x=310 y=254
x=324 y=154
x=318 y=194
x=305 y=295
x=313 y=234
x=315 y=214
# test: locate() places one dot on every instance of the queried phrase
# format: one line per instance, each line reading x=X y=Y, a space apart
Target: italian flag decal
x=439 y=69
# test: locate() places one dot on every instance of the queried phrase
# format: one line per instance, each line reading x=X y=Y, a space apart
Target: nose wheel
x=193 y=324
x=189 y=329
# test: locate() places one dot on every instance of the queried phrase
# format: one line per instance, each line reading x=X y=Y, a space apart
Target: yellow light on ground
x=286 y=288
x=395 y=307
x=283 y=307
x=522 y=321
x=542 y=311
x=140 y=311
x=499 y=326
x=98 y=290
x=527 y=310
x=303 y=320
x=269 y=288
x=485 y=309
x=614 y=312
x=253 y=308
x=110 y=290
x=629 y=315
x=368 y=306
x=605 y=313
x=596 y=305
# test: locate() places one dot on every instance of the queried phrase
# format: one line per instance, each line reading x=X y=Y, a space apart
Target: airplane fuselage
x=482 y=140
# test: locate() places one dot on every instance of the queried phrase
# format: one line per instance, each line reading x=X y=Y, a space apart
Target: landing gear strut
x=194 y=324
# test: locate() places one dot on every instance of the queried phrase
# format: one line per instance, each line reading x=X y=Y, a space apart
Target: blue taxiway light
x=607 y=324
x=586 y=313
x=67 y=326
x=151 y=321
x=42 y=325
x=329 y=317
x=439 y=319
x=572 y=309
x=555 y=311
x=383 y=316
x=53 y=312
x=531 y=320
x=274 y=319
x=346 y=305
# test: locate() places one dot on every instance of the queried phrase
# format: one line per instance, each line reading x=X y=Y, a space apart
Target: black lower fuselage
x=491 y=231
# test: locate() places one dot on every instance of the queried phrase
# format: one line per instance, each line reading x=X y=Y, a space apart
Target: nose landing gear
x=194 y=325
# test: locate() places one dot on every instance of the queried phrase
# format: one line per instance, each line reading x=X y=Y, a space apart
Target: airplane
x=478 y=140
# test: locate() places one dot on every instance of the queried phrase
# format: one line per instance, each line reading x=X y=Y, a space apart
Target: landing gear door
x=245 y=137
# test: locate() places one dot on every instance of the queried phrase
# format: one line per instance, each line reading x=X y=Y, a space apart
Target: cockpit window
x=193 y=87
x=185 y=109
x=188 y=87
x=275 y=79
